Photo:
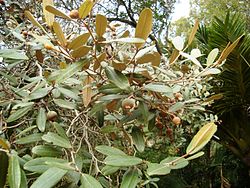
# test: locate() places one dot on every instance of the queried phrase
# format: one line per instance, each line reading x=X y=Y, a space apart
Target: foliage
x=78 y=107
x=232 y=85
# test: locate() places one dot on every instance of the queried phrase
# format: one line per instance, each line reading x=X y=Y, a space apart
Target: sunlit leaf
x=131 y=178
x=87 y=91
x=59 y=33
x=85 y=8
x=144 y=25
x=127 y=40
x=101 y=23
x=79 y=41
x=49 y=178
x=201 y=138
x=4 y=144
x=56 y=140
x=56 y=12
x=157 y=169
x=177 y=106
x=178 y=43
x=159 y=88
x=33 y=20
x=212 y=56
x=175 y=162
x=191 y=58
x=81 y=51
x=193 y=32
x=199 y=154
x=88 y=181
x=49 y=17
x=211 y=71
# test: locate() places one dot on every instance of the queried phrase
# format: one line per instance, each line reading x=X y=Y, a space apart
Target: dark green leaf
x=138 y=138
x=110 y=89
x=46 y=151
x=49 y=178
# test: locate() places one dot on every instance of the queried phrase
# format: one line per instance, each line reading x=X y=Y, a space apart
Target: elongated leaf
x=46 y=151
x=56 y=140
x=87 y=91
x=39 y=93
x=4 y=144
x=65 y=104
x=108 y=150
x=130 y=179
x=60 y=130
x=195 y=156
x=24 y=183
x=158 y=169
x=4 y=163
x=41 y=119
x=110 y=89
x=212 y=56
x=120 y=160
x=89 y=182
x=79 y=41
x=49 y=17
x=14 y=172
x=39 y=165
x=13 y=54
x=210 y=71
x=201 y=138
x=193 y=32
x=101 y=23
x=127 y=40
x=191 y=58
x=160 y=88
x=108 y=170
x=63 y=166
x=59 y=33
x=138 y=138
x=68 y=72
x=177 y=106
x=173 y=163
x=81 y=51
x=117 y=78
x=56 y=12
x=49 y=178
x=18 y=114
x=68 y=93
x=36 y=137
x=85 y=8
x=33 y=20
x=144 y=25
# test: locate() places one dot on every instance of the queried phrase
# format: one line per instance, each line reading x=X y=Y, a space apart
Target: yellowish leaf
x=125 y=34
x=49 y=17
x=118 y=65
x=193 y=32
x=33 y=20
x=81 y=51
x=101 y=24
x=144 y=25
x=85 y=8
x=228 y=50
x=100 y=58
x=59 y=33
x=201 y=138
x=79 y=41
x=87 y=91
x=174 y=56
x=4 y=144
x=56 y=12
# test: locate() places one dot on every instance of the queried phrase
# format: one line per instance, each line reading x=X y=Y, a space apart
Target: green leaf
x=85 y=8
x=175 y=162
x=36 y=137
x=108 y=170
x=49 y=178
x=4 y=161
x=122 y=160
x=157 y=169
x=41 y=119
x=63 y=166
x=109 y=89
x=24 y=183
x=46 y=151
x=18 y=114
x=212 y=56
x=56 y=140
x=13 y=54
x=79 y=41
x=201 y=138
x=81 y=51
x=39 y=93
x=117 y=78
x=177 y=106
x=60 y=130
x=39 y=165
x=130 y=179
x=127 y=41
x=195 y=156
x=160 y=88
x=107 y=150
x=69 y=93
x=89 y=182
x=64 y=74
x=138 y=138
x=65 y=104
x=14 y=172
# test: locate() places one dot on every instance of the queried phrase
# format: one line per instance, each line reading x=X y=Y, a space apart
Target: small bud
x=48 y=46
x=74 y=14
x=51 y=115
x=128 y=104
x=176 y=120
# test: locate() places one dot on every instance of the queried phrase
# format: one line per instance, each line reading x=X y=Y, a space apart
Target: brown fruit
x=51 y=115
x=178 y=96
x=176 y=120
x=128 y=104
x=25 y=33
x=74 y=14
x=48 y=47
